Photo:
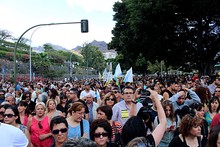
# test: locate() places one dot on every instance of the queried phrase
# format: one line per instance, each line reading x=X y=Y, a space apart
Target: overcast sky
x=19 y=15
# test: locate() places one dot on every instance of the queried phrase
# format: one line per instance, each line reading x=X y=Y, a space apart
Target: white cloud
x=93 y=5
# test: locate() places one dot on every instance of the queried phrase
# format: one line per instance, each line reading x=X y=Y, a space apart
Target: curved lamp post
x=84 y=29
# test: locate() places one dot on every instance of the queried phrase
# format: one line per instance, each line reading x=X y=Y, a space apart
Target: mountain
x=40 y=49
x=102 y=45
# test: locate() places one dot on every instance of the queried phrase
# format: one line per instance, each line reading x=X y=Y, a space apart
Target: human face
x=89 y=99
x=167 y=111
x=195 y=131
x=214 y=105
x=201 y=113
x=78 y=115
x=102 y=139
x=128 y=95
x=40 y=110
x=10 y=100
x=110 y=101
x=71 y=95
x=60 y=137
x=101 y=115
x=27 y=97
x=217 y=92
x=51 y=105
x=9 y=116
x=21 y=108
x=181 y=100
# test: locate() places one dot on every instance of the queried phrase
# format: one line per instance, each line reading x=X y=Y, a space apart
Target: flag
x=105 y=75
x=118 y=72
x=100 y=76
x=129 y=76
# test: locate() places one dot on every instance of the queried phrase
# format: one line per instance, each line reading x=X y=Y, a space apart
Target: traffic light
x=18 y=68
x=84 y=26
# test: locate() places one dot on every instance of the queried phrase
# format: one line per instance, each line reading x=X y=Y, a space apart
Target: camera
x=144 y=94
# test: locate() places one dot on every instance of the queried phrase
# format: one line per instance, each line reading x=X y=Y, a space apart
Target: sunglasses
x=98 y=135
x=128 y=93
x=109 y=99
x=217 y=91
x=115 y=92
x=2 y=113
x=8 y=115
x=40 y=125
x=64 y=130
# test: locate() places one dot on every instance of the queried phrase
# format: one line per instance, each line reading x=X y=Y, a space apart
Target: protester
x=77 y=126
x=12 y=136
x=101 y=133
x=190 y=132
x=59 y=130
x=24 y=112
x=39 y=127
x=11 y=117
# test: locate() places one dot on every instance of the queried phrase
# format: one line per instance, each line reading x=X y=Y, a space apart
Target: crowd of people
x=151 y=111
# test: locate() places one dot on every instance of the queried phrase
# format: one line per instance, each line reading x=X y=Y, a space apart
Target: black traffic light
x=84 y=26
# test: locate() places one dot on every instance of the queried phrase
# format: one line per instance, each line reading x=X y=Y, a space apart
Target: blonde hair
x=40 y=103
x=47 y=104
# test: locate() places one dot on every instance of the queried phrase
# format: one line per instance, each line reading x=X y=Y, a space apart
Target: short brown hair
x=76 y=106
x=188 y=122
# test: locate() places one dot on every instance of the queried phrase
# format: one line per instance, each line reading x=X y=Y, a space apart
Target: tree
x=4 y=35
x=177 y=32
x=93 y=57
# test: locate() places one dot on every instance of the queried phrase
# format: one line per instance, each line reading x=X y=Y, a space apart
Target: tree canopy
x=179 y=32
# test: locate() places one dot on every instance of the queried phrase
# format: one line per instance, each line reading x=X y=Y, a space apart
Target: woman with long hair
x=53 y=94
x=172 y=123
x=51 y=109
x=110 y=99
x=24 y=112
x=214 y=107
x=11 y=116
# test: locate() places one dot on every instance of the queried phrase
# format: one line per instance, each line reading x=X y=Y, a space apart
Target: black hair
x=127 y=87
x=76 y=91
x=102 y=123
x=214 y=98
x=58 y=120
x=15 y=110
x=134 y=127
x=107 y=110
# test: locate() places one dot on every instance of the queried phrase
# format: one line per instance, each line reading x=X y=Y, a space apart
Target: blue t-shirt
x=76 y=132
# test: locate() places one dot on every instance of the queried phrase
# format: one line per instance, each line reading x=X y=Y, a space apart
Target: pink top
x=25 y=120
x=38 y=128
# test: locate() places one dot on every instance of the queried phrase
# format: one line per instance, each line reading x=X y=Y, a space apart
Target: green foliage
x=93 y=57
x=178 y=32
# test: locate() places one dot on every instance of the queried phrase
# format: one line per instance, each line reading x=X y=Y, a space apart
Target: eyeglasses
x=8 y=115
x=109 y=99
x=40 y=125
x=128 y=93
x=115 y=92
x=63 y=130
x=2 y=113
x=98 y=135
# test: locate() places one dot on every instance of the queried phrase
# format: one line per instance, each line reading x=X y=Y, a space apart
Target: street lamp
x=84 y=29
x=30 y=49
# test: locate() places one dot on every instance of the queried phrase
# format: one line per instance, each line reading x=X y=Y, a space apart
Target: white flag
x=129 y=76
x=118 y=71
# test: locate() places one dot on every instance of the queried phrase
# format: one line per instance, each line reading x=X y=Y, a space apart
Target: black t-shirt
x=177 y=142
x=67 y=106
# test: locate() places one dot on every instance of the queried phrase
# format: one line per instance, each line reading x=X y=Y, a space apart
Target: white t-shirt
x=84 y=93
x=12 y=136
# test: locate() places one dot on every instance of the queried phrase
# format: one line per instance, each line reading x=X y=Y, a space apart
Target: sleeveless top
x=38 y=128
x=25 y=120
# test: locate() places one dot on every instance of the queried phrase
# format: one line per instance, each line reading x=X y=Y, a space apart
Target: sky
x=19 y=15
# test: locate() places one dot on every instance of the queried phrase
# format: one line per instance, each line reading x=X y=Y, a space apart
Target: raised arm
x=161 y=127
